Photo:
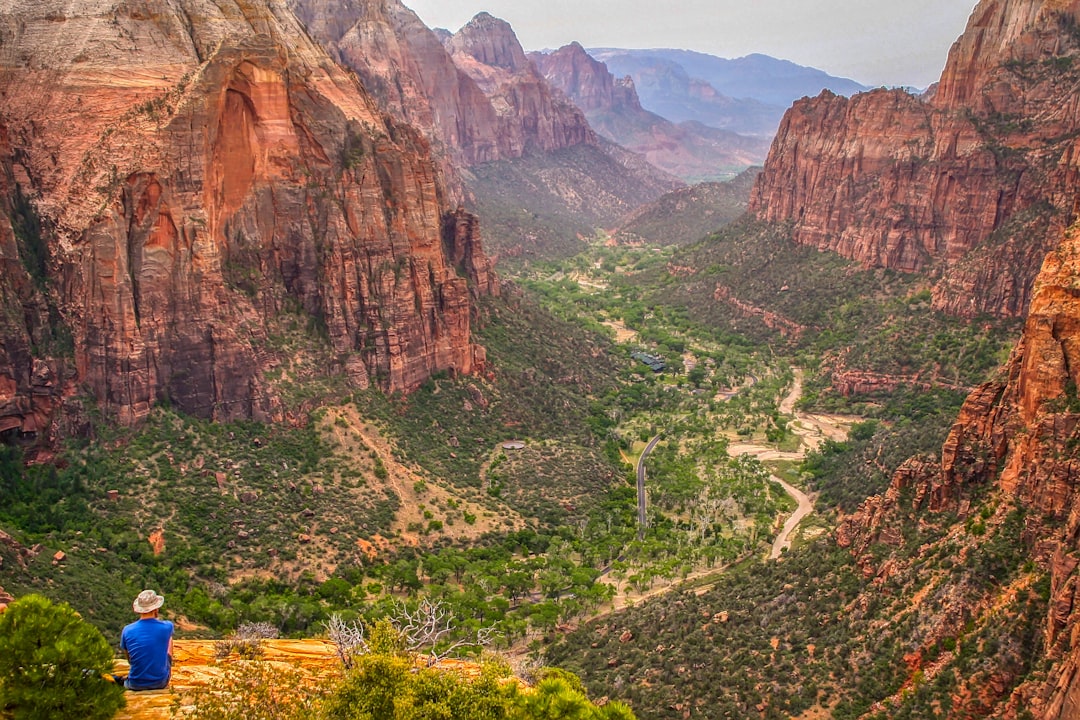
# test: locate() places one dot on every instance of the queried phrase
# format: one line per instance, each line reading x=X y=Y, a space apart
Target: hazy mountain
x=689 y=150
x=756 y=77
x=746 y=95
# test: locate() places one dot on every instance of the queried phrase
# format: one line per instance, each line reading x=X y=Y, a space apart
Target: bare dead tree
x=427 y=630
x=349 y=639
x=246 y=641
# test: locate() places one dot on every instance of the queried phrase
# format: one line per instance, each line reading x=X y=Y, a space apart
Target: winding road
x=806 y=506
x=643 y=520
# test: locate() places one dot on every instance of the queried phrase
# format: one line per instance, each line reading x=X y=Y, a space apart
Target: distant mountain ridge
x=759 y=77
x=689 y=150
x=747 y=95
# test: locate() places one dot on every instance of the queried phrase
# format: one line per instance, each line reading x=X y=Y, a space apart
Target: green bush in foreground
x=52 y=664
x=390 y=686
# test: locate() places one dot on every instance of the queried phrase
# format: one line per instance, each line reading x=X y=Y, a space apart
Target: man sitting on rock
x=147 y=644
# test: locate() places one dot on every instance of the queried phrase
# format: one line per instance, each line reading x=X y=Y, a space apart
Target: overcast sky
x=876 y=42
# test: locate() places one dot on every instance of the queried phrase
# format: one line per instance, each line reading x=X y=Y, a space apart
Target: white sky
x=876 y=42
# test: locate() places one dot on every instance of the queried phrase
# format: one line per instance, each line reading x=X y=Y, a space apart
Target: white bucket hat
x=148 y=601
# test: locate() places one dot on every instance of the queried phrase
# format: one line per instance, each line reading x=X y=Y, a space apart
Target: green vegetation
x=33 y=251
x=53 y=664
x=388 y=686
x=811 y=634
x=845 y=473
x=715 y=651
x=685 y=216
x=380 y=505
x=253 y=690
x=869 y=320
x=525 y=209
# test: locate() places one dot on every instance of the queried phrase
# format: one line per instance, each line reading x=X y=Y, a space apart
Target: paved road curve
x=642 y=519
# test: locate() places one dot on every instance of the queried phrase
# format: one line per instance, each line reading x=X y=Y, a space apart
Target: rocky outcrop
x=461 y=236
x=204 y=172
x=587 y=81
x=785 y=326
x=1016 y=441
x=973 y=182
x=489 y=41
x=197 y=664
x=410 y=74
x=690 y=151
x=532 y=117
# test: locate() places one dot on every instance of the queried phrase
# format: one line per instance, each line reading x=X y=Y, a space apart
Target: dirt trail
x=812 y=431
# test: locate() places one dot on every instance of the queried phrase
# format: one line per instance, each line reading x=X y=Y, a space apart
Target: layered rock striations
x=203 y=170
x=689 y=151
x=476 y=95
x=587 y=81
x=30 y=377
x=973 y=182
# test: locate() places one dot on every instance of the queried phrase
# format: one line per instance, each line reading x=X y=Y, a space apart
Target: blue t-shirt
x=146 y=642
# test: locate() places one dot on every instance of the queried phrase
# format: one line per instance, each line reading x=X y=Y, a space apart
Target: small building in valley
x=656 y=364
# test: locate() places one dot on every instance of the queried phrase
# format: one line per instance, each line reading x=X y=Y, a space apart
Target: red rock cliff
x=204 y=170
x=532 y=116
x=486 y=103
x=587 y=80
x=30 y=376
x=409 y=72
x=1016 y=442
x=972 y=183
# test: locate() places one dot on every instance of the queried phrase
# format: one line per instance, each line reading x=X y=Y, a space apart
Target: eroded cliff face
x=1012 y=452
x=973 y=183
x=409 y=73
x=476 y=96
x=532 y=116
x=586 y=80
x=31 y=378
x=208 y=180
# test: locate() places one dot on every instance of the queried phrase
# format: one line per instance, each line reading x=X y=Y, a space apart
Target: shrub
x=252 y=690
x=246 y=641
x=389 y=687
x=53 y=664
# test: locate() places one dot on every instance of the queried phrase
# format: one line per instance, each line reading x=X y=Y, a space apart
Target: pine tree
x=52 y=664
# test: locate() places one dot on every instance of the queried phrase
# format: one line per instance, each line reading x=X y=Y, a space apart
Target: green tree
x=53 y=664
x=392 y=687
x=370 y=690
x=560 y=696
